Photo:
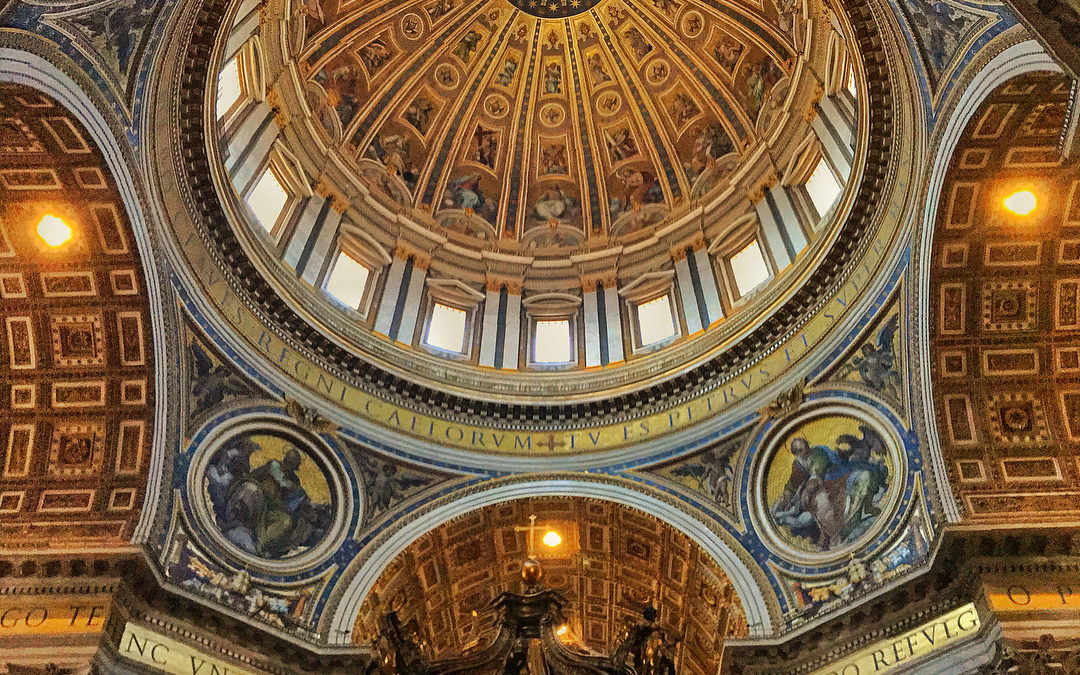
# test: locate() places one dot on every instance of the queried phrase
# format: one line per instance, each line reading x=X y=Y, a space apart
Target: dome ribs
x=212 y=220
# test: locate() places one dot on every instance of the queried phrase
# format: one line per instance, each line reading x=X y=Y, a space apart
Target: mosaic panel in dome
x=112 y=35
x=944 y=31
x=827 y=483
x=269 y=495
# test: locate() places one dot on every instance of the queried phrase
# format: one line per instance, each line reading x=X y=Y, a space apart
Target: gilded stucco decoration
x=423 y=401
x=504 y=129
x=535 y=147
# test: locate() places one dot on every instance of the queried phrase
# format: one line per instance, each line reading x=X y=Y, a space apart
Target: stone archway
x=759 y=610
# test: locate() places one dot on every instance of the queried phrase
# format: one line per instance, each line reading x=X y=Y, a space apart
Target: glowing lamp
x=53 y=230
x=552 y=538
x=1021 y=202
x=562 y=631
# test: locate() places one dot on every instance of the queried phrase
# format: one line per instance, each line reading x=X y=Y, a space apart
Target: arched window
x=446 y=328
x=348 y=281
x=749 y=268
x=239 y=85
x=230 y=87
x=823 y=188
x=268 y=199
x=655 y=320
x=553 y=341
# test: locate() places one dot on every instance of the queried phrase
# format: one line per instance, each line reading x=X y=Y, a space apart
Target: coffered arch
x=109 y=276
x=609 y=561
x=1003 y=297
x=759 y=605
x=1011 y=60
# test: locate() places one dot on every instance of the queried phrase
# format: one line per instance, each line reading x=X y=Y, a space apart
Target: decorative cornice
x=606 y=280
x=954 y=578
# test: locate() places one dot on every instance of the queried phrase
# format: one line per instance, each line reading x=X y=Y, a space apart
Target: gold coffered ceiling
x=610 y=563
x=76 y=359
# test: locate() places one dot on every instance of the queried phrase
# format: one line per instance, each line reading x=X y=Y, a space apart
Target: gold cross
x=531 y=529
x=550 y=443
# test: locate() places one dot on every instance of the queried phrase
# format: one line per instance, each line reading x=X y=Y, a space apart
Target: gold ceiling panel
x=1004 y=292
x=611 y=562
x=75 y=346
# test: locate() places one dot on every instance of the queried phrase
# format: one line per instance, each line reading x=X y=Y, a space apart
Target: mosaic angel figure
x=876 y=362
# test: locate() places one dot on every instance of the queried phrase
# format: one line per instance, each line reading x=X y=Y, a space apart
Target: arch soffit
x=1011 y=61
x=760 y=607
x=19 y=66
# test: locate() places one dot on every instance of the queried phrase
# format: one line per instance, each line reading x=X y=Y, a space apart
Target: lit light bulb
x=53 y=230
x=552 y=538
x=562 y=630
x=1021 y=202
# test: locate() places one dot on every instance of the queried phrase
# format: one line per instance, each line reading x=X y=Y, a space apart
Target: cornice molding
x=953 y=579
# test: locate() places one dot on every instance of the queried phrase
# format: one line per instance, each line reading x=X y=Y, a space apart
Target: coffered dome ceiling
x=598 y=120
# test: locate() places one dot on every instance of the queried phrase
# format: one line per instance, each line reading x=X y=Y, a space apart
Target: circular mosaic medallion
x=269 y=494
x=412 y=26
x=827 y=481
x=496 y=106
x=608 y=103
x=446 y=76
x=658 y=71
x=692 y=24
x=554 y=9
x=552 y=115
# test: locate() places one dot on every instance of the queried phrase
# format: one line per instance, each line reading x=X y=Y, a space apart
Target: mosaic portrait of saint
x=827 y=483
x=268 y=496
